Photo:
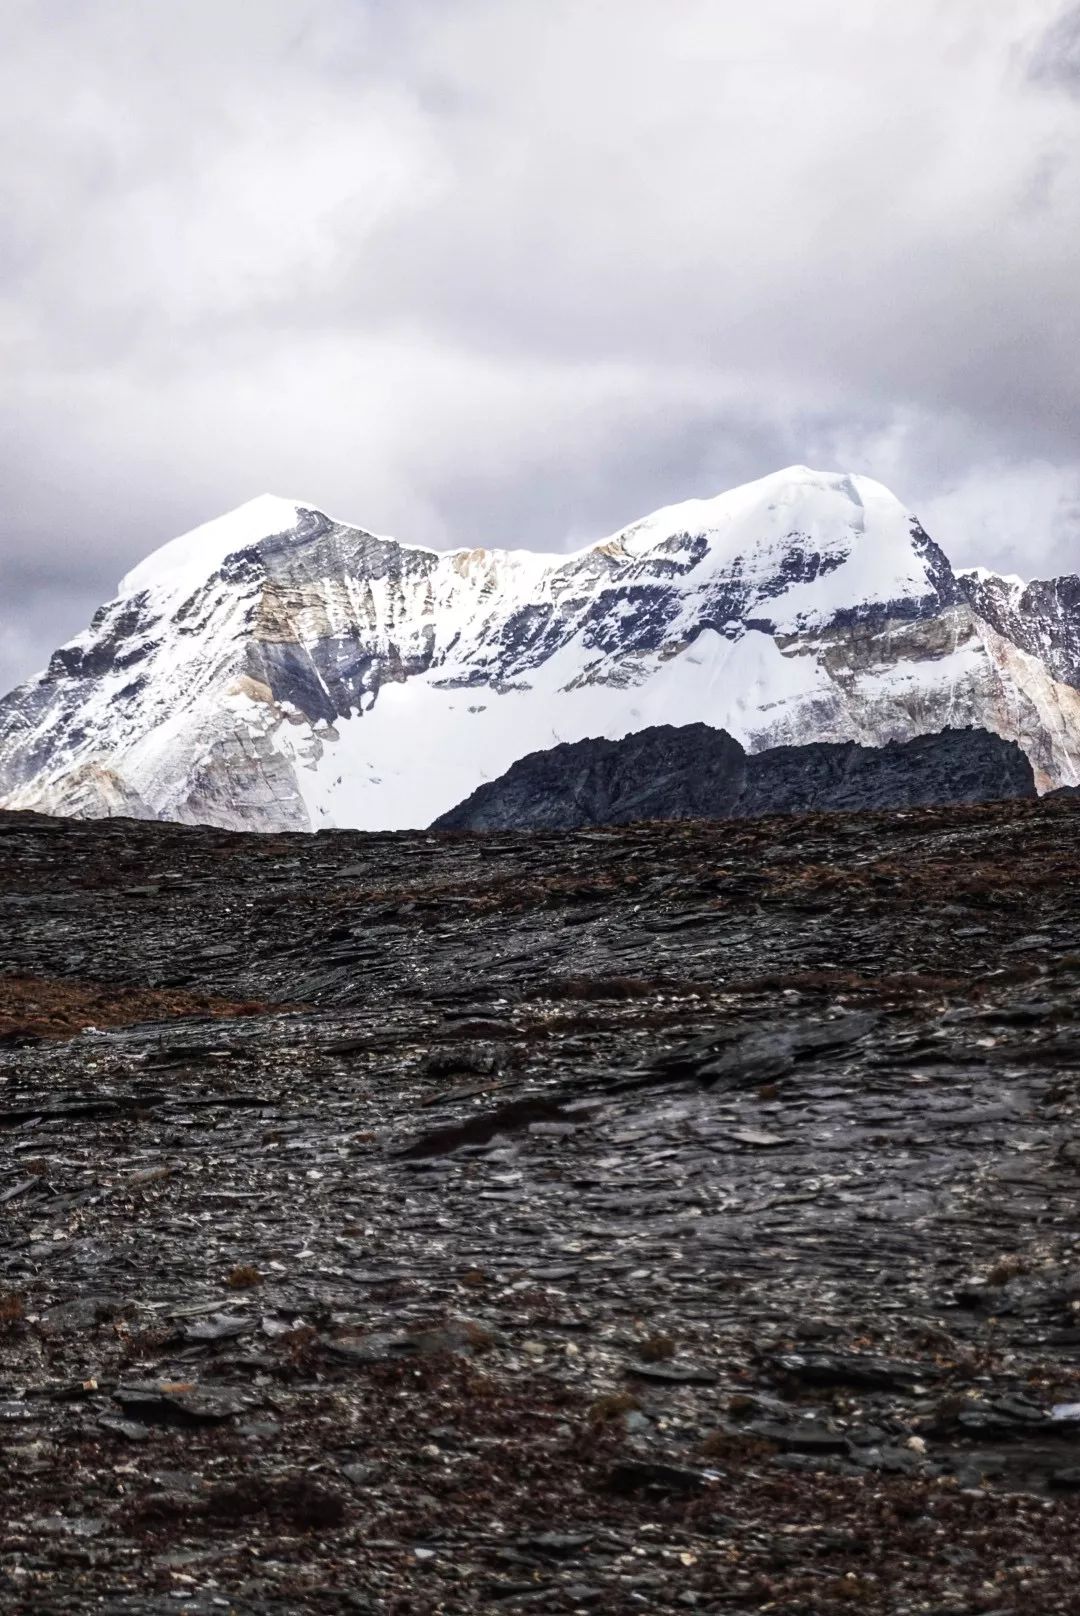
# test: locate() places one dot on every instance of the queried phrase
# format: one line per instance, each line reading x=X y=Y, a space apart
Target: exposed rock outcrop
x=695 y=772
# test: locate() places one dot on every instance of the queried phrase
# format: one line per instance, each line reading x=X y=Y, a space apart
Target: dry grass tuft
x=606 y=1410
x=243 y=1277
x=1010 y=1266
x=12 y=1309
x=657 y=1349
x=735 y=1449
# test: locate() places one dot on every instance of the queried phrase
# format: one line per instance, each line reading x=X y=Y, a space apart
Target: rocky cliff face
x=280 y=670
x=699 y=773
x=1042 y=618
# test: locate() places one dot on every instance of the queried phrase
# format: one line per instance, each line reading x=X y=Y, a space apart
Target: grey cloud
x=1056 y=57
x=487 y=271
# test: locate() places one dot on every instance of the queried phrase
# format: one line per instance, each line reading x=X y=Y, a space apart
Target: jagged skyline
x=279 y=670
x=492 y=272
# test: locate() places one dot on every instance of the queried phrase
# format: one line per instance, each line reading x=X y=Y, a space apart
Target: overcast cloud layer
x=518 y=271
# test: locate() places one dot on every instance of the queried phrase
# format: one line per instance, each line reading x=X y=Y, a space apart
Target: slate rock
x=387 y=1346
x=801 y=1436
x=175 y=1404
x=557 y=1545
x=652 y=1475
x=81 y=1313
x=672 y=1374
x=692 y=771
x=860 y=1369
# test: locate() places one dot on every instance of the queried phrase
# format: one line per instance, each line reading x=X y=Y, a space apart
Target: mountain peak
x=799 y=525
x=187 y=561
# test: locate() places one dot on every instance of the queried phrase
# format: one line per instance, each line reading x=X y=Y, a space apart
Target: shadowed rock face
x=694 y=772
x=955 y=766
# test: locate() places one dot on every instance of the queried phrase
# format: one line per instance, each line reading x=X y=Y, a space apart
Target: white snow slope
x=278 y=670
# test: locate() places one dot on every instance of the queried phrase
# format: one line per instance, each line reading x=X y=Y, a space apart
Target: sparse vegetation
x=657 y=1349
x=12 y=1309
x=243 y=1277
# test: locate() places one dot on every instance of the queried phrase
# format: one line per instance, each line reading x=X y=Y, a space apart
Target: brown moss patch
x=32 y=1008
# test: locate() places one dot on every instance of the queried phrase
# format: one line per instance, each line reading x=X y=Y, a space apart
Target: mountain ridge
x=316 y=674
x=695 y=772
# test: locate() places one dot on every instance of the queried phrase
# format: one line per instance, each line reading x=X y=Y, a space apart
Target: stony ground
x=668 y=1218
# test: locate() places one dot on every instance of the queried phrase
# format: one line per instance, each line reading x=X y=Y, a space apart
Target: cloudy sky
x=517 y=271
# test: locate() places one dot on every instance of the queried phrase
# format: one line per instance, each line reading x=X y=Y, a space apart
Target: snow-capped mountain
x=276 y=669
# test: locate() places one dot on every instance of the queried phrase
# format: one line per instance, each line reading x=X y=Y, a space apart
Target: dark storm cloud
x=497 y=271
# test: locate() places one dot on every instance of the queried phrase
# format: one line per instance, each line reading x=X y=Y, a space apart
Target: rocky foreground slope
x=279 y=670
x=694 y=772
x=655 y=1218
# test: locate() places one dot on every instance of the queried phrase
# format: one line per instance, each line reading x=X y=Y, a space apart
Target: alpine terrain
x=278 y=670
x=644 y=1220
